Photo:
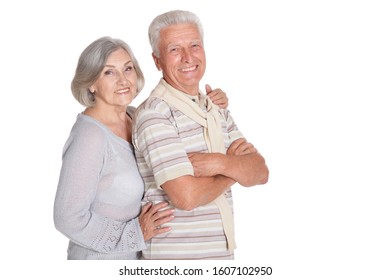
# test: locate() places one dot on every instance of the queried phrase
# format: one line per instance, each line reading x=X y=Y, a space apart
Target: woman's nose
x=122 y=78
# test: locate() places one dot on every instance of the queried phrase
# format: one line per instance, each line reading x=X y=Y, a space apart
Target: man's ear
x=156 y=61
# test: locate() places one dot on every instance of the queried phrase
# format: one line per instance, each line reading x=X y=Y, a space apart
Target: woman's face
x=117 y=82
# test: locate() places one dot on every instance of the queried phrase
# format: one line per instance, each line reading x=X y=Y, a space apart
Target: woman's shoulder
x=86 y=136
x=87 y=127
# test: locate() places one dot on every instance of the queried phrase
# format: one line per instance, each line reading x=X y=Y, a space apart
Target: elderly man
x=189 y=151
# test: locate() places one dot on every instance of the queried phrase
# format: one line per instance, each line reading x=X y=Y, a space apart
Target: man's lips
x=188 y=69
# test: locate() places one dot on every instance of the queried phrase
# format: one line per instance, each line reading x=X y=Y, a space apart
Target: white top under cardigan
x=99 y=194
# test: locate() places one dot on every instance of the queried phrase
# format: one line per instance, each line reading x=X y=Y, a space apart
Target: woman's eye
x=108 y=72
x=129 y=68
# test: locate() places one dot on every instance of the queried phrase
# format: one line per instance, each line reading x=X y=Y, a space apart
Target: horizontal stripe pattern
x=162 y=138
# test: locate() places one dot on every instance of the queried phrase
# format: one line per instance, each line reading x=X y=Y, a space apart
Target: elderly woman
x=98 y=200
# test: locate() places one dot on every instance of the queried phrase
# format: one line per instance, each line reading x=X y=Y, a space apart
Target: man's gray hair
x=171 y=18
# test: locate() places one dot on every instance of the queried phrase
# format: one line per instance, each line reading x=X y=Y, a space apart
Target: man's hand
x=241 y=147
x=205 y=164
x=211 y=164
x=242 y=163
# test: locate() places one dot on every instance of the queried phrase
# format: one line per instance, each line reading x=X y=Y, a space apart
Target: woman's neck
x=116 y=120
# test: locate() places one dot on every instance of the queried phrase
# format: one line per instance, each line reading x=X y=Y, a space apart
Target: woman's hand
x=217 y=96
x=152 y=218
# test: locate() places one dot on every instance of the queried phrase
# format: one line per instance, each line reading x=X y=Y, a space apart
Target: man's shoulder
x=149 y=103
x=153 y=104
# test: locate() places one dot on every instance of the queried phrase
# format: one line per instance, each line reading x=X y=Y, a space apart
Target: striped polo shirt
x=162 y=137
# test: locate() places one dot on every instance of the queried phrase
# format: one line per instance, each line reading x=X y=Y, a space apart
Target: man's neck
x=190 y=90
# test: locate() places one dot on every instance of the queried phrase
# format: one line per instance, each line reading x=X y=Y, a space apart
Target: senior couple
x=152 y=182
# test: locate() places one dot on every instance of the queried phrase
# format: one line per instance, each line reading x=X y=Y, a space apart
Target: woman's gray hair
x=171 y=18
x=91 y=63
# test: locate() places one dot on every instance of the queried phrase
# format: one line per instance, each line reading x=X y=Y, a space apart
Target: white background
x=308 y=84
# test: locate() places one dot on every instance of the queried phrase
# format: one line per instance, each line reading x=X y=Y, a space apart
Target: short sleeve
x=159 y=146
x=233 y=132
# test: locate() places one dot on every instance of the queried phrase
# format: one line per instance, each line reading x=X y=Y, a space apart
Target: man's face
x=182 y=57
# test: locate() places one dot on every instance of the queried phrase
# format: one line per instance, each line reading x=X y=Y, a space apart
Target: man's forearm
x=247 y=170
x=188 y=192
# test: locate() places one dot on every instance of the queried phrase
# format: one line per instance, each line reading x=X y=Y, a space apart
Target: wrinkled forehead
x=180 y=33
